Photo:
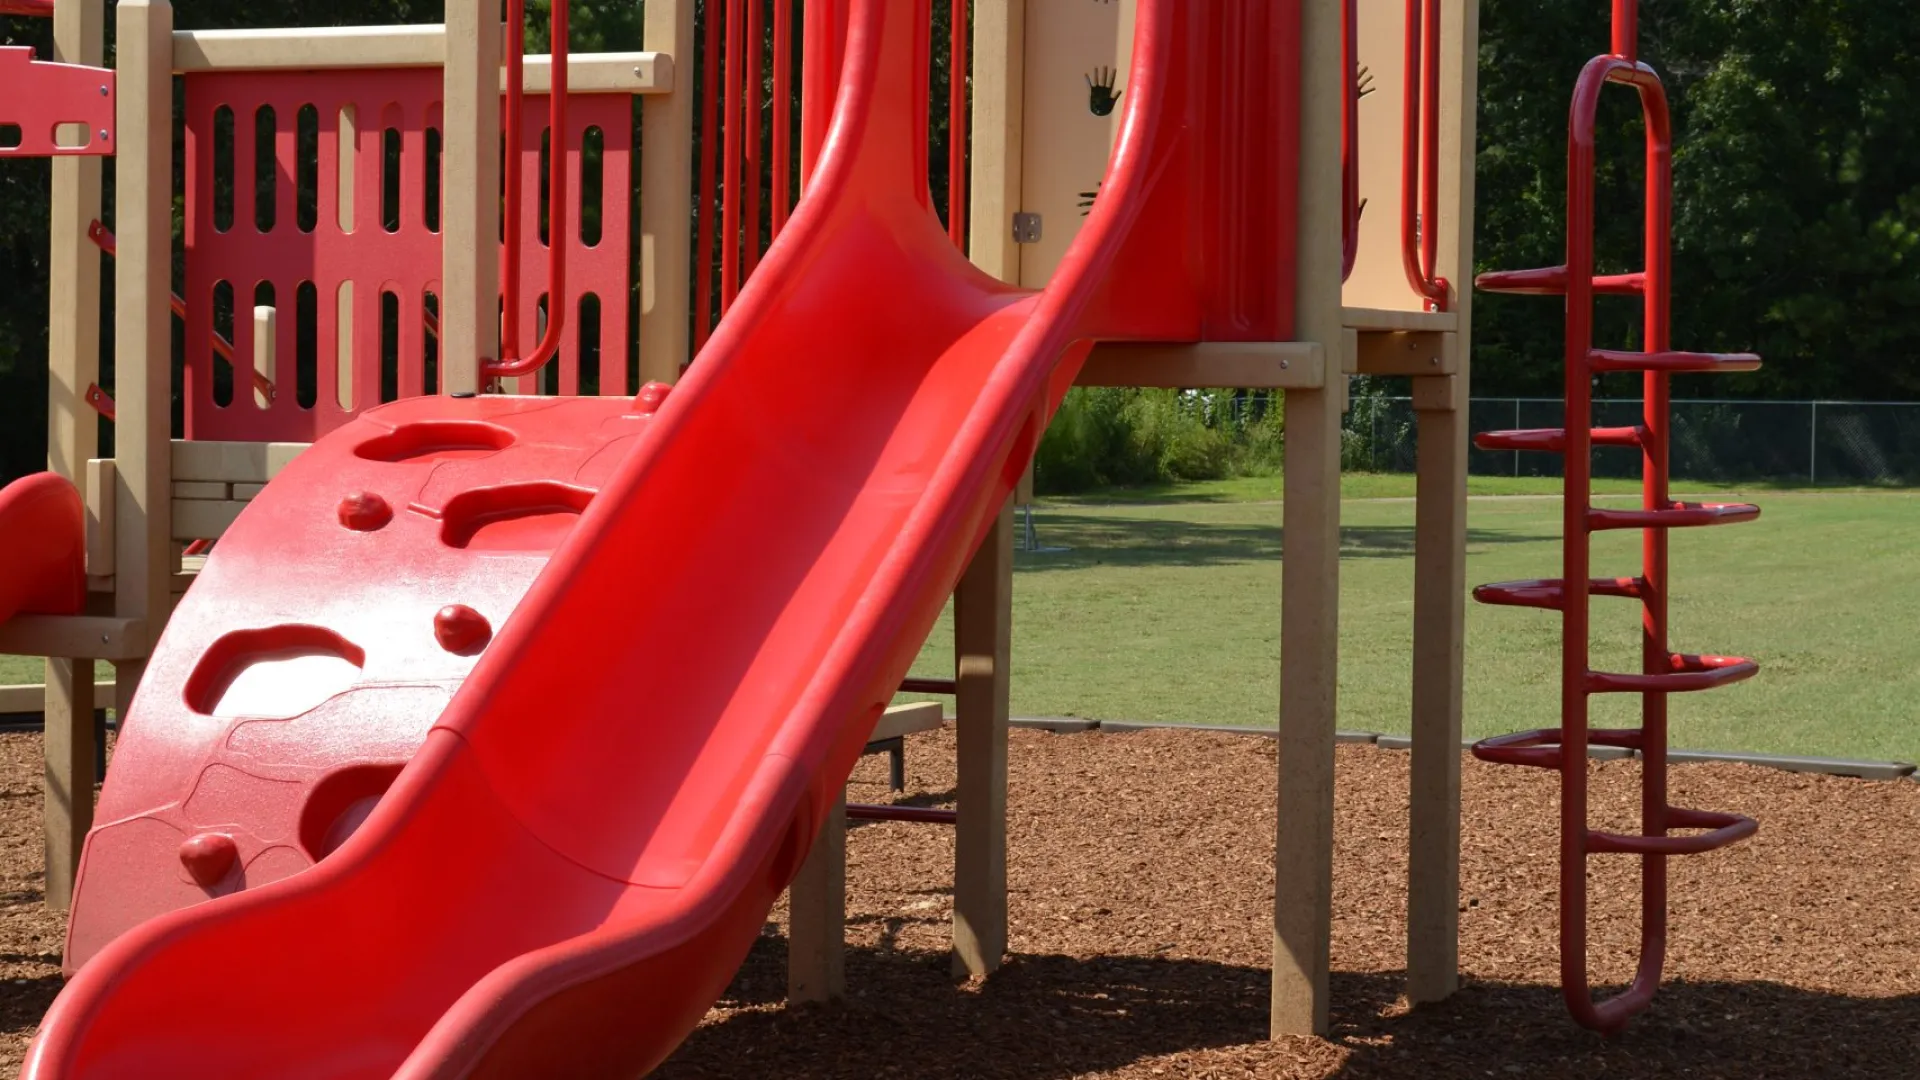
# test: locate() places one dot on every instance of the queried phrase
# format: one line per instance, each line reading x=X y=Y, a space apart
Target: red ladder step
x=1554 y=440
x=1670 y=361
x=1551 y=593
x=1552 y=281
x=1679 y=515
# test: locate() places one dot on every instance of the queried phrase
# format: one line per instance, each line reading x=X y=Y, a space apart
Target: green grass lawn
x=1168 y=610
x=1166 y=607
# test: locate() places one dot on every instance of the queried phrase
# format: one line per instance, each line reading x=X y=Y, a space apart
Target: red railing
x=748 y=119
x=1663 y=672
x=1350 y=204
x=511 y=363
x=42 y=9
x=1420 y=154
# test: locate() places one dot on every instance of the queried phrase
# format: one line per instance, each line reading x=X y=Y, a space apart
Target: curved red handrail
x=511 y=363
x=1420 y=155
x=1349 y=138
x=33 y=9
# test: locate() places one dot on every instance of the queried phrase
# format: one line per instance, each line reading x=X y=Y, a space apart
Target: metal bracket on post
x=1026 y=228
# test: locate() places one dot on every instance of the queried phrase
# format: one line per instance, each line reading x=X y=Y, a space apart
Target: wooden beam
x=232 y=462
x=202 y=519
x=1440 y=541
x=68 y=748
x=817 y=915
x=143 y=323
x=319 y=48
x=73 y=270
x=983 y=646
x=1360 y=318
x=201 y=489
x=999 y=74
x=33 y=698
x=907 y=719
x=100 y=493
x=99 y=637
x=666 y=191
x=1415 y=353
x=470 y=237
x=1245 y=365
x=1310 y=573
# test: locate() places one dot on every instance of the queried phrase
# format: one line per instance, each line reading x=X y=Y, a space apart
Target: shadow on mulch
x=1055 y=1017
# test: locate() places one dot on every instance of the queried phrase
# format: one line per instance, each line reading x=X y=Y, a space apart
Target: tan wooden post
x=1310 y=573
x=817 y=915
x=983 y=604
x=983 y=645
x=1440 y=549
x=73 y=437
x=470 y=274
x=143 y=339
x=666 y=191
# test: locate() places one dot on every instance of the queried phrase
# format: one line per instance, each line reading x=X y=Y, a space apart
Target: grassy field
x=1166 y=607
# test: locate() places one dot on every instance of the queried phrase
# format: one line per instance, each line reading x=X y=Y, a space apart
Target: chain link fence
x=1815 y=442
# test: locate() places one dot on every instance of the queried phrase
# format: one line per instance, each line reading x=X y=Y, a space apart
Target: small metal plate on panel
x=1026 y=228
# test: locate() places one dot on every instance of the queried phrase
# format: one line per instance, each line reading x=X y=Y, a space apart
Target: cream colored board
x=1379 y=279
x=1065 y=145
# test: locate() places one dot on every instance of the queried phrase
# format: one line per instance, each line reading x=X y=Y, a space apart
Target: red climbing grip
x=53 y=110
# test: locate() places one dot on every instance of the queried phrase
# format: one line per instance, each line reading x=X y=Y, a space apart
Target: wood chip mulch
x=1140 y=873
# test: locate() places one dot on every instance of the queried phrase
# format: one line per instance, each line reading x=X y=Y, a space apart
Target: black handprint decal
x=1101 y=96
x=1086 y=200
x=1363 y=81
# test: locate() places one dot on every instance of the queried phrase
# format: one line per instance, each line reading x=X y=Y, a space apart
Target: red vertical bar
x=957 y=71
x=823 y=47
x=730 y=159
x=782 y=111
x=511 y=184
x=750 y=134
x=1575 y=554
x=1626 y=30
x=709 y=148
x=1349 y=138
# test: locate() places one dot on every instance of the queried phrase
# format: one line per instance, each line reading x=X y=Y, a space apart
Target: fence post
x=1813 y=442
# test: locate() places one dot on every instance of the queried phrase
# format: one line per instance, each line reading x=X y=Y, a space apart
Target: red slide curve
x=44 y=570
x=587 y=842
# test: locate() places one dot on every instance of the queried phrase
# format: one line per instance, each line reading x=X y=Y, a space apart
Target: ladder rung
x=1687 y=674
x=1680 y=515
x=1725 y=829
x=1554 y=440
x=1542 y=749
x=1550 y=593
x=1552 y=281
x=1670 y=361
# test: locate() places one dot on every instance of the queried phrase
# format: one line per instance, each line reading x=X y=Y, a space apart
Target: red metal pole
x=511 y=363
x=957 y=72
x=1420 y=152
x=750 y=136
x=709 y=151
x=1626 y=30
x=34 y=9
x=1349 y=138
x=925 y=815
x=782 y=112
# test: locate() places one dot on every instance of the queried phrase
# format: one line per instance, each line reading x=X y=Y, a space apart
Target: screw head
x=103 y=91
x=208 y=857
x=460 y=629
x=364 y=511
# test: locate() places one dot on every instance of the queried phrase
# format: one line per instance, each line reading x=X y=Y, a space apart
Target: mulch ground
x=1140 y=871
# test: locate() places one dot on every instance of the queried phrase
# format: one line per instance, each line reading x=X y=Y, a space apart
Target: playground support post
x=1310 y=574
x=470 y=273
x=73 y=438
x=666 y=233
x=1440 y=531
x=983 y=646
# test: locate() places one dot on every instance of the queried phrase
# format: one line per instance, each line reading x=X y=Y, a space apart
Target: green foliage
x=1113 y=436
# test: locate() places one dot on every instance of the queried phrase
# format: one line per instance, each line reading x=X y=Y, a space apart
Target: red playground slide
x=44 y=569
x=589 y=838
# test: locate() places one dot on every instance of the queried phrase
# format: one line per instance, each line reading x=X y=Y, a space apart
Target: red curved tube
x=33 y=9
x=1420 y=157
x=511 y=363
x=1350 y=138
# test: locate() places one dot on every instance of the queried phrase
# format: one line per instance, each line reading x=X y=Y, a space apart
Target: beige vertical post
x=143 y=340
x=983 y=645
x=73 y=437
x=265 y=324
x=999 y=74
x=666 y=191
x=817 y=916
x=470 y=238
x=1440 y=550
x=1310 y=572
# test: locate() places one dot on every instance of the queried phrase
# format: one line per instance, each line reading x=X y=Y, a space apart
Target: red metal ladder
x=1662 y=671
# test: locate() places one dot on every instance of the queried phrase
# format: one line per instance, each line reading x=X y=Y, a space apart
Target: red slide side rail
x=1663 y=672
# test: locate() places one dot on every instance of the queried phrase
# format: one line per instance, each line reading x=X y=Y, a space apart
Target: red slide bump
x=588 y=841
x=43 y=530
